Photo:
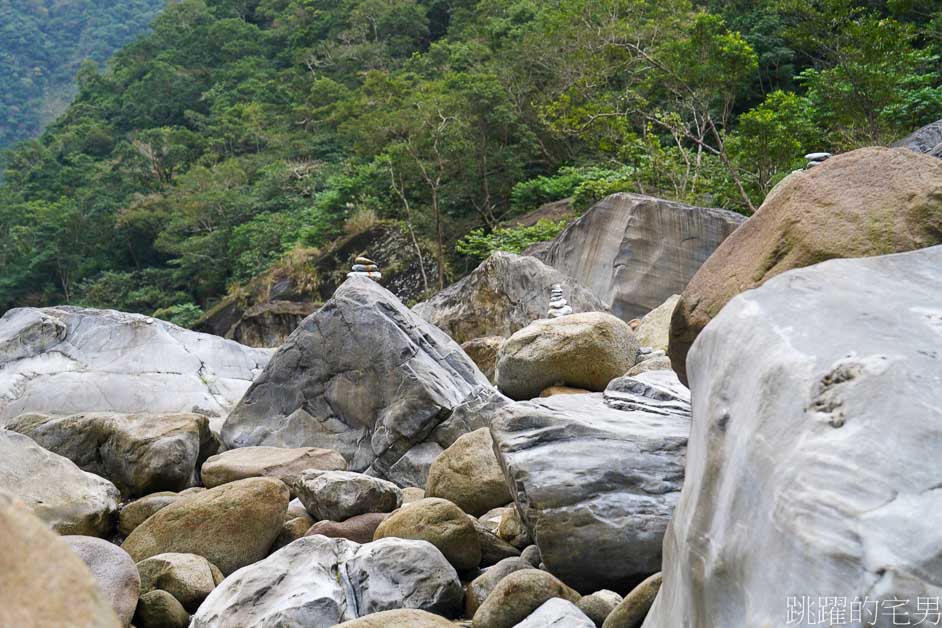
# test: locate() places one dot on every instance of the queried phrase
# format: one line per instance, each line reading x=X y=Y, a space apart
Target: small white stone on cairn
x=366 y=267
x=558 y=305
x=815 y=159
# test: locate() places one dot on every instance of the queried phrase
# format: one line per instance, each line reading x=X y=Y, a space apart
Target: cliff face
x=635 y=251
x=265 y=311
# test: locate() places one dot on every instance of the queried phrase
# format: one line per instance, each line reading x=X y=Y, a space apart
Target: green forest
x=239 y=130
x=43 y=43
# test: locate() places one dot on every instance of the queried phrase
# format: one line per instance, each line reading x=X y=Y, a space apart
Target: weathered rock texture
x=339 y=495
x=439 y=522
x=926 y=140
x=140 y=453
x=872 y=201
x=635 y=251
x=318 y=582
x=43 y=582
x=586 y=350
x=595 y=485
x=505 y=293
x=812 y=463
x=66 y=360
x=363 y=376
x=69 y=500
x=231 y=526
x=467 y=474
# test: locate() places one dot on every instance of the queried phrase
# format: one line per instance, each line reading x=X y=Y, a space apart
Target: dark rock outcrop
x=927 y=139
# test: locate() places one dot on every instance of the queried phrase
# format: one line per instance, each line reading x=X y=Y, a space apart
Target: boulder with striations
x=363 y=376
x=872 y=201
x=634 y=251
x=595 y=477
x=813 y=463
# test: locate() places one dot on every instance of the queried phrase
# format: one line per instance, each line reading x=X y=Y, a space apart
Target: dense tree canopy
x=240 y=129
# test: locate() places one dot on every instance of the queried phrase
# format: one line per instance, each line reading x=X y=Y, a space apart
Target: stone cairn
x=366 y=267
x=816 y=159
x=558 y=305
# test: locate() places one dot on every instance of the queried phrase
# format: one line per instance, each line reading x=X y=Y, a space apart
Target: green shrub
x=185 y=315
x=480 y=245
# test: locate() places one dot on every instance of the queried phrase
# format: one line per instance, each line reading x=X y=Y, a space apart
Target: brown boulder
x=231 y=526
x=359 y=529
x=442 y=524
x=285 y=464
x=43 y=582
x=872 y=201
x=468 y=474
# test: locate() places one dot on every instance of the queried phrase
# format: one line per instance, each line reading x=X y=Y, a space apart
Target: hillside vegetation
x=241 y=129
x=42 y=46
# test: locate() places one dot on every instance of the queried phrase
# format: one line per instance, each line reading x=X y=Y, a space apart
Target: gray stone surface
x=114 y=571
x=69 y=500
x=317 y=582
x=339 y=495
x=557 y=613
x=140 y=453
x=66 y=360
x=813 y=462
x=927 y=139
x=505 y=293
x=635 y=251
x=596 y=485
x=363 y=376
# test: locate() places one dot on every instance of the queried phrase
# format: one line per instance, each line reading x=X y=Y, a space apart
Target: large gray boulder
x=813 y=462
x=317 y=582
x=69 y=500
x=635 y=251
x=66 y=360
x=595 y=477
x=140 y=453
x=505 y=293
x=927 y=139
x=363 y=376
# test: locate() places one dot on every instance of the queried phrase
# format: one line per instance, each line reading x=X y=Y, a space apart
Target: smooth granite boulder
x=69 y=500
x=66 y=360
x=504 y=294
x=363 y=376
x=159 y=609
x=586 y=350
x=43 y=582
x=654 y=328
x=403 y=618
x=187 y=577
x=140 y=453
x=231 y=526
x=631 y=612
x=813 y=463
x=872 y=201
x=517 y=595
x=317 y=582
x=634 y=251
x=595 y=478
x=282 y=463
x=479 y=588
x=442 y=524
x=467 y=474
x=114 y=571
x=339 y=495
